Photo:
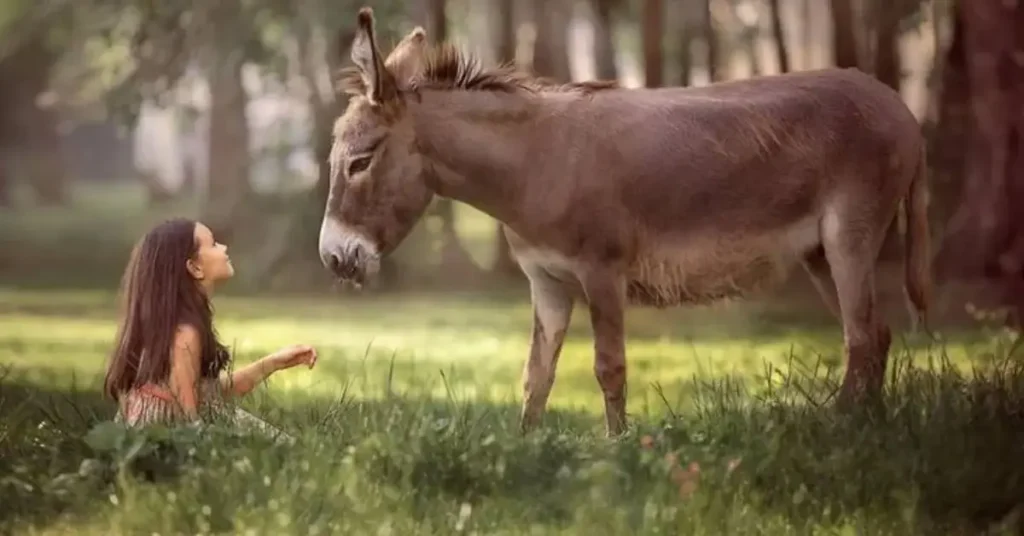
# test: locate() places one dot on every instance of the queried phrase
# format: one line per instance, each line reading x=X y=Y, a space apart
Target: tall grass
x=941 y=456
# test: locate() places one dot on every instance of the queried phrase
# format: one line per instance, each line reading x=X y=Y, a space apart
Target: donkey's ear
x=380 y=85
x=406 y=60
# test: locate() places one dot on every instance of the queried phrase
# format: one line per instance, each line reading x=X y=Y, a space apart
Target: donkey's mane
x=447 y=68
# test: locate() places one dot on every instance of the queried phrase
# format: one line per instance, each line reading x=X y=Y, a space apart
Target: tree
x=781 y=52
x=711 y=42
x=29 y=50
x=985 y=236
x=228 y=166
x=653 y=29
x=844 y=40
x=454 y=257
x=505 y=52
x=550 y=50
x=604 y=43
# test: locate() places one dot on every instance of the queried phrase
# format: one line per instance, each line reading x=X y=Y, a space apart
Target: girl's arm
x=248 y=377
x=245 y=379
x=185 y=365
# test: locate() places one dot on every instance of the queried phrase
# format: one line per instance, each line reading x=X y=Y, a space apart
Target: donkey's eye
x=358 y=165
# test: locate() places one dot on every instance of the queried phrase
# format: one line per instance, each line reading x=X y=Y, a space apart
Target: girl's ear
x=194 y=269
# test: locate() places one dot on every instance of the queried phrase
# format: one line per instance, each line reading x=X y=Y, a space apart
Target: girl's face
x=211 y=263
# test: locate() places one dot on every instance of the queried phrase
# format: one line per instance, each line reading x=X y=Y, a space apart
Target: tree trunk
x=550 y=50
x=685 y=30
x=986 y=234
x=711 y=42
x=887 y=69
x=604 y=43
x=506 y=41
x=887 y=52
x=454 y=256
x=229 y=159
x=807 y=34
x=228 y=162
x=844 y=40
x=505 y=52
x=32 y=125
x=5 y=188
x=780 y=37
x=949 y=124
x=653 y=29
x=46 y=157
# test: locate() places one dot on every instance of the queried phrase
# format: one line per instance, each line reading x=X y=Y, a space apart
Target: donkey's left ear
x=380 y=85
x=407 y=58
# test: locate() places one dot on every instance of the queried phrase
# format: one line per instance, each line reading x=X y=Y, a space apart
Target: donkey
x=635 y=197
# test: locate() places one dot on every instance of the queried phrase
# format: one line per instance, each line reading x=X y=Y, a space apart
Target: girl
x=167 y=362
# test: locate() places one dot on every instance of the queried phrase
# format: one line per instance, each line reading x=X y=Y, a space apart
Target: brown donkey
x=649 y=197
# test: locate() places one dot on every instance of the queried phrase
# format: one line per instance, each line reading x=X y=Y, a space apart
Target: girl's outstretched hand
x=291 y=356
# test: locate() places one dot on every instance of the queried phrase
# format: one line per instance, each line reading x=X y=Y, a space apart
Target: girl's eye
x=359 y=165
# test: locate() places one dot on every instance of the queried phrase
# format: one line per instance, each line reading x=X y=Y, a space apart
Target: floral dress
x=153 y=404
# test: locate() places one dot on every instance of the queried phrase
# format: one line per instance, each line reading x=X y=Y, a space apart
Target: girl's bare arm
x=185 y=364
x=245 y=379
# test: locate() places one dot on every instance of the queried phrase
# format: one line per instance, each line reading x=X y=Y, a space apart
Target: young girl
x=167 y=363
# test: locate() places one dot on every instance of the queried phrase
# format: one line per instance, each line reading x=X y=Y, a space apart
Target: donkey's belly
x=709 y=269
x=661 y=283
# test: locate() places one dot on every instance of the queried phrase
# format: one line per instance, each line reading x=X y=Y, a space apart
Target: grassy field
x=409 y=426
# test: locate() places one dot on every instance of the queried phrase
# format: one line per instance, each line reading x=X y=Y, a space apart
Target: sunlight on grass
x=410 y=421
x=477 y=347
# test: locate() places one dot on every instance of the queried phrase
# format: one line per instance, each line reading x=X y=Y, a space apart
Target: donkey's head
x=377 y=190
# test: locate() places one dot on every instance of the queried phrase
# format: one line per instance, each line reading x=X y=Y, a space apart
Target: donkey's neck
x=476 y=143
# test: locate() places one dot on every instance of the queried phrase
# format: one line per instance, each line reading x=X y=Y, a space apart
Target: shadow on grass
x=941 y=456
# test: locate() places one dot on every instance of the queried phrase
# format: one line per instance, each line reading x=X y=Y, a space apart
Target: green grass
x=409 y=426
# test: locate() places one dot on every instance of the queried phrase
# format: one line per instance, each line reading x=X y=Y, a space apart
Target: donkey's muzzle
x=354 y=264
x=348 y=254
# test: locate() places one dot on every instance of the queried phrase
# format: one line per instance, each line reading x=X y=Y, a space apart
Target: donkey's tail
x=917 y=256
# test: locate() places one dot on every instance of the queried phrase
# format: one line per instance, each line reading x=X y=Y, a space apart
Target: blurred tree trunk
x=844 y=38
x=887 y=68
x=550 y=50
x=685 y=29
x=781 y=52
x=46 y=156
x=505 y=52
x=454 y=257
x=986 y=234
x=807 y=35
x=229 y=159
x=5 y=188
x=653 y=29
x=948 y=131
x=32 y=123
x=711 y=42
x=505 y=44
x=604 y=42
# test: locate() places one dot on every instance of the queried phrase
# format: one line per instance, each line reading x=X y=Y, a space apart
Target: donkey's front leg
x=552 y=310
x=606 y=295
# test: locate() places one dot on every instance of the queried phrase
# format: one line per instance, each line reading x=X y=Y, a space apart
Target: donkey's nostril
x=334 y=262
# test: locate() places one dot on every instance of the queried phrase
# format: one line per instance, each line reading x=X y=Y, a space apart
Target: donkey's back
x=724 y=187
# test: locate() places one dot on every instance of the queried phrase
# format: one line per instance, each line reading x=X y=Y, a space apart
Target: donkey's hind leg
x=851 y=247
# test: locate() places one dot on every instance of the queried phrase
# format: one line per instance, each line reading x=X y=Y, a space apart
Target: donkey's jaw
x=348 y=253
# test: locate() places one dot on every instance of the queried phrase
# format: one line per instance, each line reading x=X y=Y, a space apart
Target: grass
x=409 y=426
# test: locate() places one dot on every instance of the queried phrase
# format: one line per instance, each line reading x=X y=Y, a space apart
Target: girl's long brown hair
x=157 y=296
